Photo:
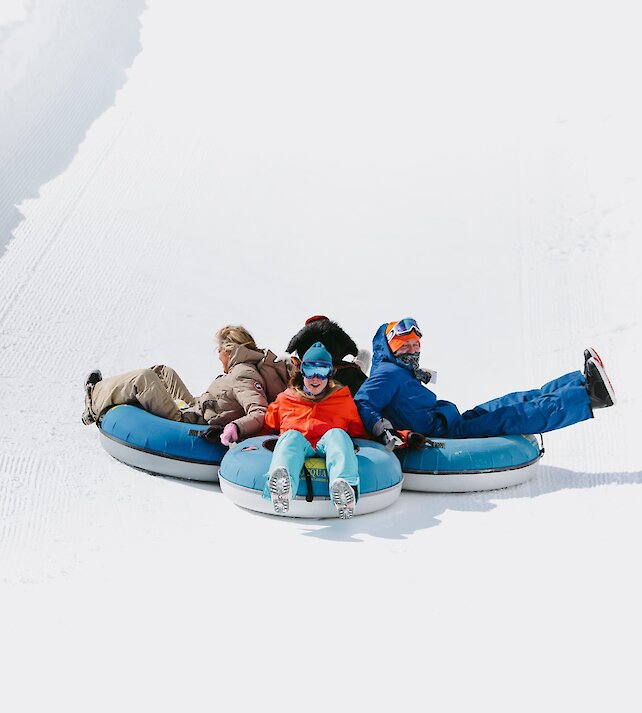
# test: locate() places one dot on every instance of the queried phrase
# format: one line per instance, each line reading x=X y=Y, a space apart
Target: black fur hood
x=329 y=333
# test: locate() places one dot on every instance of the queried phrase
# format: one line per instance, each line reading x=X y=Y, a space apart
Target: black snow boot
x=598 y=384
x=88 y=415
x=590 y=353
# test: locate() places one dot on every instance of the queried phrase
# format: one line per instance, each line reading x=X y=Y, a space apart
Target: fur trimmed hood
x=329 y=333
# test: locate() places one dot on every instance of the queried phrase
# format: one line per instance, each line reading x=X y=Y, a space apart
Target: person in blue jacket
x=395 y=397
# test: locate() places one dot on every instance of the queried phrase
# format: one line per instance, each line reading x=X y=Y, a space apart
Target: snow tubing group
x=147 y=442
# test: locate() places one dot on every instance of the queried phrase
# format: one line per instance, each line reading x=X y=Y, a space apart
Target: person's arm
x=376 y=393
x=250 y=393
x=273 y=417
x=354 y=425
x=356 y=429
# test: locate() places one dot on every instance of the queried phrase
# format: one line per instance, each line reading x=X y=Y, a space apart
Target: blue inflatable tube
x=468 y=464
x=143 y=440
x=244 y=471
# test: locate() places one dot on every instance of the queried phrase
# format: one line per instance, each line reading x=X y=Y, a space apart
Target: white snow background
x=169 y=169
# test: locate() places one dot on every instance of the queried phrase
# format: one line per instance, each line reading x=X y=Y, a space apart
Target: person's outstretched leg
x=559 y=403
x=282 y=484
x=142 y=386
x=173 y=383
x=343 y=470
x=520 y=397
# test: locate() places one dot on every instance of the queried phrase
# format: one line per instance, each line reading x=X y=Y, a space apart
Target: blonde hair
x=233 y=336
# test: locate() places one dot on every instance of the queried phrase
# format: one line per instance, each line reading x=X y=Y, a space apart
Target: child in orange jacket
x=314 y=416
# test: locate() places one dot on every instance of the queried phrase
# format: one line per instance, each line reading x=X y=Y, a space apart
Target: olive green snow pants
x=154 y=389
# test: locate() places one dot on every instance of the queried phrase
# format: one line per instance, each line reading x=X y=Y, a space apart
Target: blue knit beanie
x=317 y=352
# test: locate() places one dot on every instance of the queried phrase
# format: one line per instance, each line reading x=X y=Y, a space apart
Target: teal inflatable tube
x=467 y=464
x=145 y=441
x=244 y=471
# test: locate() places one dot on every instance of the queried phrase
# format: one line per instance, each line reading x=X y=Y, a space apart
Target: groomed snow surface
x=176 y=167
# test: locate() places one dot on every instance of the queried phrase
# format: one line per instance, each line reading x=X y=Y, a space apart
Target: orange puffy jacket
x=292 y=411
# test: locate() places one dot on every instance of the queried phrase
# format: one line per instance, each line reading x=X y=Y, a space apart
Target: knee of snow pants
x=340 y=459
x=290 y=453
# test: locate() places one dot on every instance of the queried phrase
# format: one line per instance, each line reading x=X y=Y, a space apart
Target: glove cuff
x=381 y=426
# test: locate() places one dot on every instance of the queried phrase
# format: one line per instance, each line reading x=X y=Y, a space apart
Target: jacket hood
x=381 y=351
x=274 y=373
x=333 y=338
x=244 y=355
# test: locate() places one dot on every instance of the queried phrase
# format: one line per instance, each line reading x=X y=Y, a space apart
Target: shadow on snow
x=414 y=511
x=419 y=511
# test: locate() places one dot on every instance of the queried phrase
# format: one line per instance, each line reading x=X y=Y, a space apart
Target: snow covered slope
x=477 y=166
x=60 y=67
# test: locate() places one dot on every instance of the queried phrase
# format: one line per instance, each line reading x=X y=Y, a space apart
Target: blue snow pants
x=335 y=445
x=559 y=403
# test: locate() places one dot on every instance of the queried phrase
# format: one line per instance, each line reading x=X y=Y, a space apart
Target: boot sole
x=279 y=488
x=88 y=416
x=597 y=362
x=593 y=355
x=343 y=498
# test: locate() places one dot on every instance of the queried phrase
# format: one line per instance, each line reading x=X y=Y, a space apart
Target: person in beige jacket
x=235 y=402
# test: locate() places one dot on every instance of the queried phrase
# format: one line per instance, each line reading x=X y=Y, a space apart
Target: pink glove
x=230 y=434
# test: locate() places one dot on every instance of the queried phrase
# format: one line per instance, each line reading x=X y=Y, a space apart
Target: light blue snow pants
x=336 y=446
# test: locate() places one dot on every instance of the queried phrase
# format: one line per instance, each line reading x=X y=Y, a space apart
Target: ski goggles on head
x=322 y=369
x=403 y=327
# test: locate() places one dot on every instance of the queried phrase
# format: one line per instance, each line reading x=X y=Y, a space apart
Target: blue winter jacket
x=393 y=392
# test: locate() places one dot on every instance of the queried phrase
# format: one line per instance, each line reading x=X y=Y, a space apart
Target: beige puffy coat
x=240 y=395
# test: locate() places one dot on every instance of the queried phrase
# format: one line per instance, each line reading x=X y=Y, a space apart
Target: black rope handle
x=418 y=441
x=435 y=444
x=309 y=495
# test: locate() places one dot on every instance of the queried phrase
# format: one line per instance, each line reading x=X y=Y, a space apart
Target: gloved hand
x=391 y=439
x=230 y=434
x=386 y=434
x=381 y=426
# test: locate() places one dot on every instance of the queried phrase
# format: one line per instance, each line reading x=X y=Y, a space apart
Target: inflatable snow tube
x=468 y=464
x=157 y=445
x=244 y=470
